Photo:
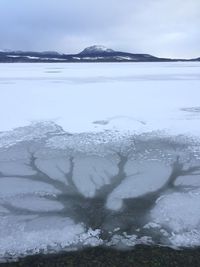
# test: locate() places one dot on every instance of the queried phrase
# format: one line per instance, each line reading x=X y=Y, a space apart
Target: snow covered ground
x=98 y=153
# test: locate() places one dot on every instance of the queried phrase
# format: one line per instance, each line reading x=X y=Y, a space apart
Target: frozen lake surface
x=96 y=154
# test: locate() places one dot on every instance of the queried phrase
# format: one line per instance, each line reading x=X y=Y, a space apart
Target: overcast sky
x=168 y=28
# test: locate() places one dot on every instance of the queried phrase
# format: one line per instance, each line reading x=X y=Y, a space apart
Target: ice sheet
x=98 y=153
x=160 y=95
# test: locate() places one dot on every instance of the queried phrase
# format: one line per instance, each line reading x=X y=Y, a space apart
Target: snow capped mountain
x=96 y=49
x=95 y=53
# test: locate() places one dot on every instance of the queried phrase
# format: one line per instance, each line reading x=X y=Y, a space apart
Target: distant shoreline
x=92 y=62
x=94 y=54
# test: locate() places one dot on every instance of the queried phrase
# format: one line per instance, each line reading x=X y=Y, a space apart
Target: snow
x=34 y=203
x=154 y=93
x=96 y=49
x=53 y=58
x=124 y=58
x=12 y=56
x=128 y=241
x=54 y=167
x=91 y=173
x=23 y=187
x=50 y=234
x=180 y=212
x=143 y=177
x=37 y=58
x=93 y=114
x=92 y=58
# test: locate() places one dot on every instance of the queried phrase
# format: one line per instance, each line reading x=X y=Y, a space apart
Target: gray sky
x=169 y=28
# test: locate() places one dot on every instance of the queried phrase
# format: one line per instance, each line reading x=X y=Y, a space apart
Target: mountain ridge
x=95 y=53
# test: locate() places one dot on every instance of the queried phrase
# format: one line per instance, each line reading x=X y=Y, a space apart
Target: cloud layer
x=167 y=28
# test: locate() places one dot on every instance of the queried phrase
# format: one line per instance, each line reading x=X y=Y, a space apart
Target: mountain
x=95 y=53
x=196 y=59
x=95 y=49
x=101 y=53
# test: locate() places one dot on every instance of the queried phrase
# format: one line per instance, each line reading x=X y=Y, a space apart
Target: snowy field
x=99 y=154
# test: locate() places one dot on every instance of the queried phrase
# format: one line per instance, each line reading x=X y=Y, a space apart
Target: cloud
x=162 y=28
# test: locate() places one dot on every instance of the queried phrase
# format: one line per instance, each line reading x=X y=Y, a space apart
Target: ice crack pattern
x=62 y=190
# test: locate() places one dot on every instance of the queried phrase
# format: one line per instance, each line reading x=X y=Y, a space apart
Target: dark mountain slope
x=89 y=54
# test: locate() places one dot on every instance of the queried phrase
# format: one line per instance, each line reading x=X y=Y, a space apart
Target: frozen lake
x=76 y=95
x=96 y=154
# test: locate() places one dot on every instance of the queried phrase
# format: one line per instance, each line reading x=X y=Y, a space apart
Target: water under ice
x=107 y=179
x=126 y=190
